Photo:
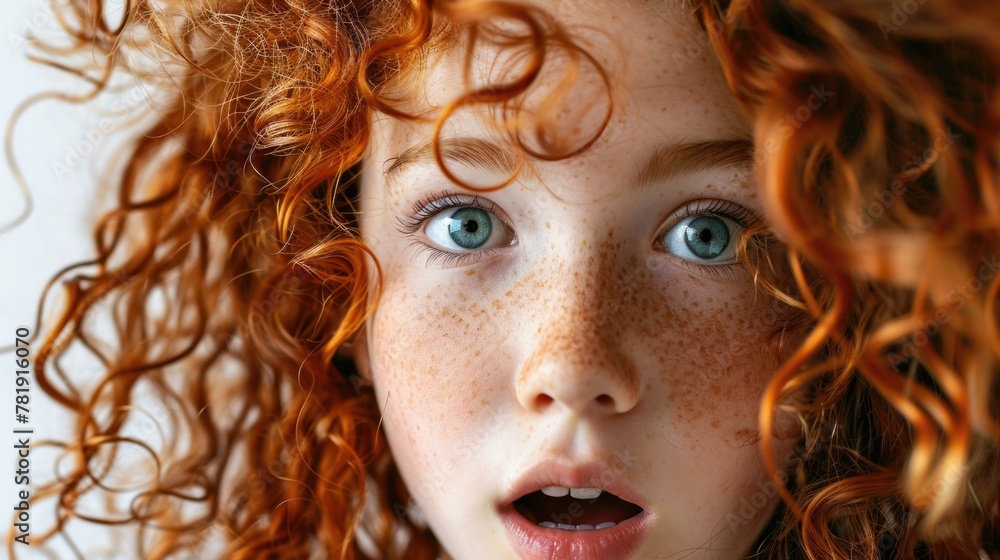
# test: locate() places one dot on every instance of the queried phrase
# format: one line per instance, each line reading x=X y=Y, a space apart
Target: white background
x=59 y=148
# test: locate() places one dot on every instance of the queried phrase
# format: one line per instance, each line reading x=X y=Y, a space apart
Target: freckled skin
x=584 y=338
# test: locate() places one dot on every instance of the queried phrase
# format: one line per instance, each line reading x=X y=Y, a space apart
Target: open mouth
x=575 y=509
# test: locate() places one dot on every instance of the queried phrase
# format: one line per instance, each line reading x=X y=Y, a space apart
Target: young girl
x=479 y=279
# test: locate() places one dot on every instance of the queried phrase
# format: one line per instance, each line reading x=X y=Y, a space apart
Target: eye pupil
x=470 y=227
x=707 y=237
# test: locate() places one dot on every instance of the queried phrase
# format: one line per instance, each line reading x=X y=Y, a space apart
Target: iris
x=707 y=236
x=470 y=227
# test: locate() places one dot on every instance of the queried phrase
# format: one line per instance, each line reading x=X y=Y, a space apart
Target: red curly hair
x=232 y=271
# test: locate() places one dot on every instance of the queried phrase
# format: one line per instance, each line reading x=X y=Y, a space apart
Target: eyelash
x=720 y=208
x=430 y=206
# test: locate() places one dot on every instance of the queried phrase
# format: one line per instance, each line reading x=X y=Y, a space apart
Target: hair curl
x=233 y=275
x=888 y=191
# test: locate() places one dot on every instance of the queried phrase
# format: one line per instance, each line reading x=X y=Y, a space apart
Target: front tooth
x=556 y=491
x=585 y=493
x=583 y=527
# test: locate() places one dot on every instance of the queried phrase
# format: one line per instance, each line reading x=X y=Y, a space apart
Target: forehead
x=666 y=85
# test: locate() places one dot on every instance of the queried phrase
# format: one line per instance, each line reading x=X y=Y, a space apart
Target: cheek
x=707 y=342
x=427 y=342
x=429 y=348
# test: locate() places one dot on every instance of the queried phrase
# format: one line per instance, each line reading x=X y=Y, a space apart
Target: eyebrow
x=670 y=160
x=667 y=161
x=473 y=152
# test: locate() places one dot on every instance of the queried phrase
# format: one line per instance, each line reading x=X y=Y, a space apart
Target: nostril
x=605 y=400
x=543 y=400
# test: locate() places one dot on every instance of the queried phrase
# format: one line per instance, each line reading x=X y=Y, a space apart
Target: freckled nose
x=575 y=360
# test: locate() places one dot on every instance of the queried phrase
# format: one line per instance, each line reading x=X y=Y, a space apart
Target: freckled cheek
x=436 y=354
x=711 y=358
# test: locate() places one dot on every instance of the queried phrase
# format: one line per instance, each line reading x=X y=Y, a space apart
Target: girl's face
x=584 y=328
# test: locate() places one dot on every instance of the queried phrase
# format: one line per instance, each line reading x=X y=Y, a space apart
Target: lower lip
x=534 y=542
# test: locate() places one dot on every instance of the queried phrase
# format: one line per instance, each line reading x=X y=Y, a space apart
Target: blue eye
x=470 y=228
x=465 y=229
x=704 y=238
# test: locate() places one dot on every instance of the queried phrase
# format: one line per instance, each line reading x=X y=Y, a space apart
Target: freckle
x=470 y=272
x=715 y=423
x=746 y=436
x=709 y=186
x=548 y=225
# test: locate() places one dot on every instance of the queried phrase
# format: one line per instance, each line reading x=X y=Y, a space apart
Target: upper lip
x=588 y=474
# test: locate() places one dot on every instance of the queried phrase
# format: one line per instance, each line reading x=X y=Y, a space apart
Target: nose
x=576 y=360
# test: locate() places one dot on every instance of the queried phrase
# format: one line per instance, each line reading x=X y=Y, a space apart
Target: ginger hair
x=876 y=126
